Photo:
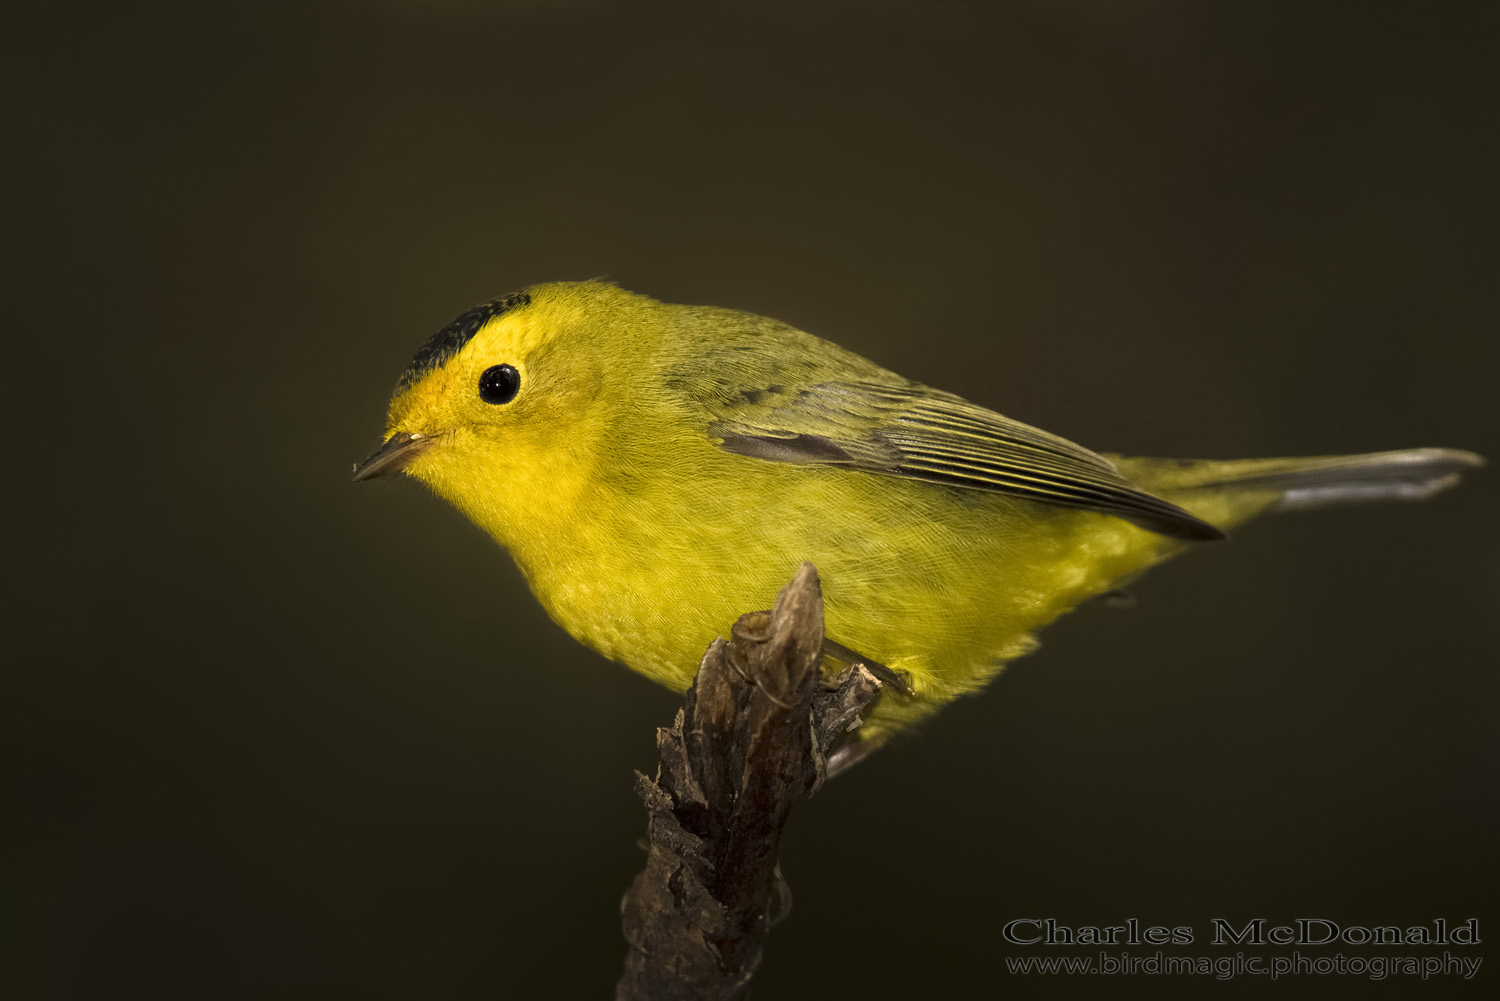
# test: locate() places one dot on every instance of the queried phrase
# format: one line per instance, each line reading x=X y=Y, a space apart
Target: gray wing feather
x=922 y=434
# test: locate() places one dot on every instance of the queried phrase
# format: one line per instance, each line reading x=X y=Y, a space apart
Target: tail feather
x=1411 y=474
x=1228 y=492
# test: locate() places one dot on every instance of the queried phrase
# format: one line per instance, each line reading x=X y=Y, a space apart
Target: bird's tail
x=1226 y=493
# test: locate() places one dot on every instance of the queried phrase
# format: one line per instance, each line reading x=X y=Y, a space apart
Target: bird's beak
x=392 y=457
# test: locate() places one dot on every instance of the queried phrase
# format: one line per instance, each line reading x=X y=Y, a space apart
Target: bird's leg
x=898 y=681
x=857 y=745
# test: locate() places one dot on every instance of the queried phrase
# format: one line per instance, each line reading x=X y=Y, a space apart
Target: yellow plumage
x=656 y=470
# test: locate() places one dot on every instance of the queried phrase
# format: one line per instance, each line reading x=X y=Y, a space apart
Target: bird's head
x=501 y=411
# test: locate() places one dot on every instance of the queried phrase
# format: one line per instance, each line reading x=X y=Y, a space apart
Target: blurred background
x=272 y=734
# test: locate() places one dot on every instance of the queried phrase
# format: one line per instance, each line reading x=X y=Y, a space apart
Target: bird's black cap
x=443 y=345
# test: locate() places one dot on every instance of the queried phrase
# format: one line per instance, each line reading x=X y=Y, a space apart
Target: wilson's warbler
x=657 y=470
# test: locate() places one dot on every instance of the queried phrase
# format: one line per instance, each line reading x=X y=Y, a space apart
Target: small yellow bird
x=656 y=470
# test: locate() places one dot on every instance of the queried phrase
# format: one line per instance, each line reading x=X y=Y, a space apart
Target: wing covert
x=919 y=433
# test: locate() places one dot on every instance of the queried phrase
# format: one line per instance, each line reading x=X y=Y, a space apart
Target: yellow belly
x=942 y=583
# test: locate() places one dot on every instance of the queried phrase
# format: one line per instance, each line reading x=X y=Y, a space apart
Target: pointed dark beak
x=392 y=457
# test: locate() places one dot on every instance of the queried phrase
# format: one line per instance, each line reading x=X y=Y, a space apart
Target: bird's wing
x=922 y=434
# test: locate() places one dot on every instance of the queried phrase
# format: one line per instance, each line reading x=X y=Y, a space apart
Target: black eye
x=499 y=384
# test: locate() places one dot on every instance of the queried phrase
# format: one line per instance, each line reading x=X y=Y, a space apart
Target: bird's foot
x=897 y=681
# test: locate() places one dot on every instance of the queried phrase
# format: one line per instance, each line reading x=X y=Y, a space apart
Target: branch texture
x=751 y=740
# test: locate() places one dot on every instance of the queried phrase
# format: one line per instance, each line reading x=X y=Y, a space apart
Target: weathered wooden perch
x=751 y=740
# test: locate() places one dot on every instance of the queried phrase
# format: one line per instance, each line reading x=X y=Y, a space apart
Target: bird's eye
x=499 y=384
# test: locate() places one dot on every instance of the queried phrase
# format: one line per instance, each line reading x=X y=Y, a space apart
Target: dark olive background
x=271 y=734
